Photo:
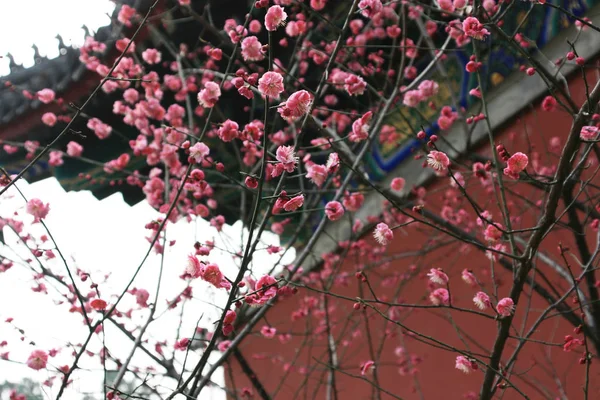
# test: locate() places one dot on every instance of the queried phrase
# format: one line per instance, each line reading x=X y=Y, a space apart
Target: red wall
x=431 y=373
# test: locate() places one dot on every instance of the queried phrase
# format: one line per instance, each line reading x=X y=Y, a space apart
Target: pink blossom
x=438 y=160
x=294 y=203
x=228 y=131
x=230 y=317
x=369 y=8
x=515 y=165
x=213 y=275
x=354 y=85
x=37 y=360
x=151 y=56
x=268 y=332
x=297 y=105
x=397 y=184
x=265 y=289
x=252 y=49
x=492 y=233
x=74 y=149
x=482 y=300
x=366 y=367
x=287 y=157
x=271 y=84
x=334 y=210
x=436 y=275
x=55 y=158
x=46 y=96
x=360 y=128
x=383 y=234
x=317 y=174
x=125 y=14
x=49 y=119
x=101 y=129
x=473 y=28
x=198 y=152
x=469 y=278
x=182 y=344
x=440 y=297
x=463 y=364
x=37 y=209
x=275 y=18
x=353 y=202
x=141 y=297
x=193 y=268
x=428 y=88
x=224 y=345
x=412 y=98
x=505 y=307
x=209 y=96
x=588 y=132
x=333 y=163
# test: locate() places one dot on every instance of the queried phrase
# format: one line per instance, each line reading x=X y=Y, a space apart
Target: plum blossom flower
x=412 y=98
x=515 y=165
x=151 y=56
x=230 y=317
x=468 y=277
x=209 y=96
x=354 y=85
x=270 y=84
x=482 y=300
x=588 y=133
x=49 y=119
x=46 y=96
x=101 y=129
x=99 y=304
x=287 y=157
x=228 y=131
x=368 y=8
x=360 y=128
x=505 y=307
x=473 y=28
x=193 y=268
x=436 y=275
x=465 y=365
x=294 y=203
x=317 y=174
x=268 y=332
x=212 y=274
x=265 y=289
x=440 y=297
x=74 y=149
x=198 y=152
x=252 y=49
x=366 y=367
x=275 y=18
x=334 y=210
x=297 y=105
x=397 y=184
x=383 y=234
x=38 y=209
x=438 y=160
x=182 y=344
x=37 y=359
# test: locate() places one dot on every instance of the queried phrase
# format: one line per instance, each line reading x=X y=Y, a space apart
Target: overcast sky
x=25 y=22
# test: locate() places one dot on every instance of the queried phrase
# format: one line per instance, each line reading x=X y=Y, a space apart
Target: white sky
x=25 y=22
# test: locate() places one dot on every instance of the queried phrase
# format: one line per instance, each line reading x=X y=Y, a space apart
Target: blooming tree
x=477 y=261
